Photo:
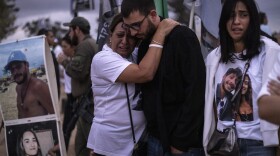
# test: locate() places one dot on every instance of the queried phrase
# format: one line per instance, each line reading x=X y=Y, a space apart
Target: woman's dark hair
x=67 y=39
x=262 y=17
x=115 y=21
x=248 y=94
x=143 y=6
x=20 y=149
x=251 y=37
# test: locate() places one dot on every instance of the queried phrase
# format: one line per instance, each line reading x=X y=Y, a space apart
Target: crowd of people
x=151 y=78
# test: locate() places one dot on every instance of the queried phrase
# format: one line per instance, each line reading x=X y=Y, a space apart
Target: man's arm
x=269 y=105
x=147 y=68
x=79 y=66
x=44 y=97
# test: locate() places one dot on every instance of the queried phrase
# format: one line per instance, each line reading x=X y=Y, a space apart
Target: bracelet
x=156 y=45
x=157 y=42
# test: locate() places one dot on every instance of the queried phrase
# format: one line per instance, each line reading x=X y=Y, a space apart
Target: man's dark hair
x=252 y=35
x=143 y=6
x=116 y=20
x=236 y=71
x=85 y=31
x=43 y=31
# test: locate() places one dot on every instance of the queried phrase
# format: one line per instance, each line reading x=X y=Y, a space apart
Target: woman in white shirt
x=111 y=68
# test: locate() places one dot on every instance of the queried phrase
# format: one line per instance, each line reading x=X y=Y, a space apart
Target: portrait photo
x=24 y=85
x=31 y=138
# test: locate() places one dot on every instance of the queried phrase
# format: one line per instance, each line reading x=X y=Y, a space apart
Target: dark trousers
x=83 y=129
x=68 y=114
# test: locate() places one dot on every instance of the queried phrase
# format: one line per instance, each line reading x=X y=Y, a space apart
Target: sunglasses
x=135 y=26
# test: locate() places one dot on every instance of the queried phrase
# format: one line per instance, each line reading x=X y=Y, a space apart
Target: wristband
x=156 y=45
x=156 y=42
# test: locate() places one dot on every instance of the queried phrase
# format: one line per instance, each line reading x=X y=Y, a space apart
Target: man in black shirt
x=173 y=102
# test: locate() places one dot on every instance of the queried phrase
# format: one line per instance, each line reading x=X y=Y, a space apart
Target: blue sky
x=32 y=48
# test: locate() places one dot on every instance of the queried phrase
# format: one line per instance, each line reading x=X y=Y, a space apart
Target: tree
x=7 y=18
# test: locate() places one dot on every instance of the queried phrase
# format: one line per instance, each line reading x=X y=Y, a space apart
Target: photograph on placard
x=24 y=88
x=35 y=138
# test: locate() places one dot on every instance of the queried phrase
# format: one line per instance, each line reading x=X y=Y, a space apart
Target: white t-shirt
x=247 y=125
x=67 y=83
x=111 y=131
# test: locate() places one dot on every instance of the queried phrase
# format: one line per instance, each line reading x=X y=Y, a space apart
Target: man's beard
x=150 y=30
x=227 y=93
x=24 y=75
x=75 y=40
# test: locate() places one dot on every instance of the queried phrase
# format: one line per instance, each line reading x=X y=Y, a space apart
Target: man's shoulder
x=88 y=43
x=183 y=34
x=38 y=83
x=181 y=30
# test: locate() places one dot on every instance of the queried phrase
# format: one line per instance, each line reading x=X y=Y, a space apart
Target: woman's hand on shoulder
x=166 y=25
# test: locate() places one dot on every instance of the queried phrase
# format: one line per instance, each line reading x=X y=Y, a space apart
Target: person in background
x=240 y=41
x=269 y=97
x=33 y=94
x=51 y=41
x=173 y=102
x=111 y=69
x=78 y=68
x=265 y=29
x=28 y=144
x=264 y=23
x=68 y=50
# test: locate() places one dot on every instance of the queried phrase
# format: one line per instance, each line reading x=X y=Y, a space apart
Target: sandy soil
x=8 y=102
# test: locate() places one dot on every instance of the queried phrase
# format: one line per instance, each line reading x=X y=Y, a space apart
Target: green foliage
x=7 y=19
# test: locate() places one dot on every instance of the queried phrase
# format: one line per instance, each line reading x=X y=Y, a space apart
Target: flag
x=161 y=7
x=107 y=10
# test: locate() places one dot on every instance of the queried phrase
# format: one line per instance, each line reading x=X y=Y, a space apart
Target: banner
x=28 y=97
x=107 y=9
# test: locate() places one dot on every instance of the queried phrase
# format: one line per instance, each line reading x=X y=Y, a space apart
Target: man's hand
x=91 y=153
x=166 y=25
x=174 y=150
x=53 y=150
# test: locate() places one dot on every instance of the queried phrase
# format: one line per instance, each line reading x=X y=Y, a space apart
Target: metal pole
x=192 y=15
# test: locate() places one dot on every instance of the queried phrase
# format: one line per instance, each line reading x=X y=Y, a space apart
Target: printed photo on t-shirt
x=245 y=107
x=225 y=91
